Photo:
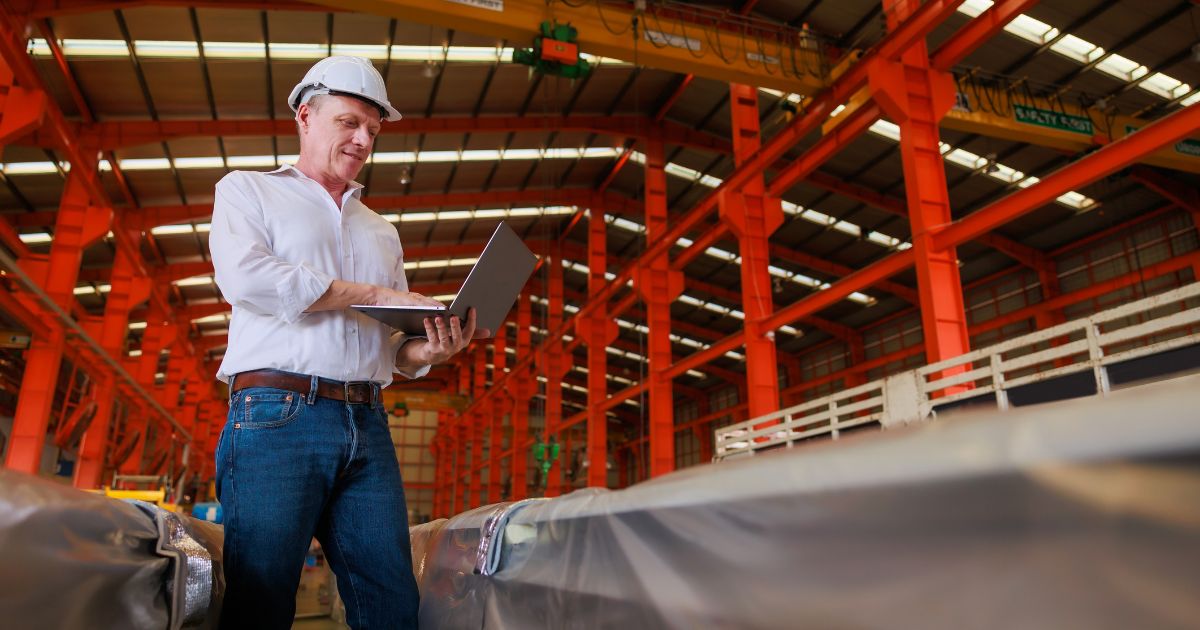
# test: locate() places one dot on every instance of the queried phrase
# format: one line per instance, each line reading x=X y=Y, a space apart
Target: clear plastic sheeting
x=1077 y=514
x=72 y=559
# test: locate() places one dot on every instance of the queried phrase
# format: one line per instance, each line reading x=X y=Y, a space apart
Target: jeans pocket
x=268 y=408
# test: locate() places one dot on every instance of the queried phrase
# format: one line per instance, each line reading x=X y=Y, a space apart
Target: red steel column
x=158 y=335
x=597 y=331
x=555 y=368
x=128 y=290
x=78 y=224
x=522 y=392
x=916 y=98
x=475 y=429
x=441 y=489
x=659 y=286
x=753 y=217
x=462 y=466
x=168 y=397
x=496 y=422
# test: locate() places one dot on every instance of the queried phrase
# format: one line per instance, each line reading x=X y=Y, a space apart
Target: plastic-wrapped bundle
x=423 y=538
x=72 y=559
x=1080 y=514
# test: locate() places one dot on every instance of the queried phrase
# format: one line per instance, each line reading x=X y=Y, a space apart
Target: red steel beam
x=148 y=217
x=1182 y=195
x=979 y=30
x=1023 y=254
x=110 y=135
x=1107 y=159
x=816 y=112
x=1096 y=165
x=12 y=49
x=822 y=265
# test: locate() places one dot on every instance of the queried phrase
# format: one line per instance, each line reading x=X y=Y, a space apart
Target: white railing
x=1147 y=326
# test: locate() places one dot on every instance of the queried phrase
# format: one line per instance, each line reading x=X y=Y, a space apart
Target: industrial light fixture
x=430 y=69
x=990 y=167
x=405 y=175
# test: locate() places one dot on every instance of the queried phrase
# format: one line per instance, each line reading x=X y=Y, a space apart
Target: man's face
x=337 y=135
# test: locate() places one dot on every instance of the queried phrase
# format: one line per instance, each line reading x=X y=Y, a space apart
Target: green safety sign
x=1052 y=119
x=1185 y=146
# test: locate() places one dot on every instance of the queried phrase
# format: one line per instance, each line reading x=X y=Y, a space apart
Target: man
x=306 y=450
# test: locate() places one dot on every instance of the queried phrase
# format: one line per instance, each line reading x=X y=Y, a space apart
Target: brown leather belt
x=354 y=392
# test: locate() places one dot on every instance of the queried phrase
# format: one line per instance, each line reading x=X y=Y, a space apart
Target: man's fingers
x=431 y=333
x=468 y=333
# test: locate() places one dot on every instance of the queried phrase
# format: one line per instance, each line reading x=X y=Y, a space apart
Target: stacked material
x=72 y=559
x=1077 y=514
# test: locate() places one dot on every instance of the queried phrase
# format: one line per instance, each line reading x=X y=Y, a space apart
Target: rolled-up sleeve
x=247 y=271
x=400 y=283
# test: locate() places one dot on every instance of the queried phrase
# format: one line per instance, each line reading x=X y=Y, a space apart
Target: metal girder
x=82 y=159
x=662 y=37
x=1171 y=265
x=111 y=135
x=1058 y=124
x=833 y=328
x=522 y=395
x=1186 y=197
x=1023 y=254
x=752 y=215
x=985 y=26
x=1095 y=166
x=658 y=286
x=817 y=109
x=917 y=97
x=149 y=217
x=495 y=421
x=1090 y=168
x=56 y=8
x=597 y=331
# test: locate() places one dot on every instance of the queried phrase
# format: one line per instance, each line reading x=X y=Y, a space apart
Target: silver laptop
x=491 y=287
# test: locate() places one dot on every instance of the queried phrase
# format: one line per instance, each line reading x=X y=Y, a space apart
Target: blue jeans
x=290 y=468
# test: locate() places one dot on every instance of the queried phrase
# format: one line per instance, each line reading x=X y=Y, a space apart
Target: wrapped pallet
x=1076 y=515
x=72 y=559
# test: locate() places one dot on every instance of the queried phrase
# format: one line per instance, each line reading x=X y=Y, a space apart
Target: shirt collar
x=354 y=188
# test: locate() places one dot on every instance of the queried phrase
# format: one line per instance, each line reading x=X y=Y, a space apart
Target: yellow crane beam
x=670 y=43
x=663 y=41
x=1055 y=124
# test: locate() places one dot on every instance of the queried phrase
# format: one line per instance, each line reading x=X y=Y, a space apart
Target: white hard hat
x=351 y=76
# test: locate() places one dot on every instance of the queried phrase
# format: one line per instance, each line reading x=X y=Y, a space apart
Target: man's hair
x=314 y=102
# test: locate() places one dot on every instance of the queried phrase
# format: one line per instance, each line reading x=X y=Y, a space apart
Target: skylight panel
x=1080 y=50
x=1032 y=30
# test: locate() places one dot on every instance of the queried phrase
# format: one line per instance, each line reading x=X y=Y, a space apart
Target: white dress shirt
x=278 y=240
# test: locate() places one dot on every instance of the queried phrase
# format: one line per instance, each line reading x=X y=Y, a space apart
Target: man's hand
x=444 y=340
x=342 y=294
x=390 y=297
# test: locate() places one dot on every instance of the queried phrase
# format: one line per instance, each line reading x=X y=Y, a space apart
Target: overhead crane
x=690 y=45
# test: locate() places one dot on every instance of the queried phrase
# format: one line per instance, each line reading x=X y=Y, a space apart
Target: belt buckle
x=370 y=398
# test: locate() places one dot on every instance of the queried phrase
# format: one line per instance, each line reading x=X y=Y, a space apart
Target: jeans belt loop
x=374 y=394
x=232 y=378
x=312 y=389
